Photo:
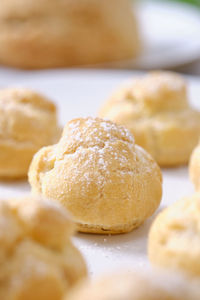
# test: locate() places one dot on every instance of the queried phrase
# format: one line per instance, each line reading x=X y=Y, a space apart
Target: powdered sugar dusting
x=99 y=149
x=154 y=82
x=98 y=130
x=95 y=152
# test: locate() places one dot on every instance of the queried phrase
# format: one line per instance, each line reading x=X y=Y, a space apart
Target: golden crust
x=38 y=260
x=155 y=109
x=174 y=239
x=56 y=34
x=108 y=230
x=108 y=184
x=27 y=122
x=138 y=286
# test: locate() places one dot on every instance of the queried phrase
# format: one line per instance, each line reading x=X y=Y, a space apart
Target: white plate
x=80 y=93
x=171 y=35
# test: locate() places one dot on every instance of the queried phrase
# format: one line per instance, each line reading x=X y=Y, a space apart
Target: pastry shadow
x=11 y=181
x=129 y=243
x=180 y=171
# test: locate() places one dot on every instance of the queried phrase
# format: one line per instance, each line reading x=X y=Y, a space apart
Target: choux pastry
x=37 y=257
x=28 y=122
x=137 y=286
x=156 y=110
x=49 y=33
x=194 y=167
x=107 y=183
x=174 y=239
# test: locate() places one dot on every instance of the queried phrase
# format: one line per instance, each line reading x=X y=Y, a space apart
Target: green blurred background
x=193 y=2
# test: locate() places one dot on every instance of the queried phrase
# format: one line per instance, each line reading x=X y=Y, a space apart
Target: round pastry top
x=159 y=91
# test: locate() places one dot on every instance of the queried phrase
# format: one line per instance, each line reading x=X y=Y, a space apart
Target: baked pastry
x=138 y=286
x=174 y=239
x=109 y=184
x=27 y=122
x=156 y=110
x=49 y=33
x=194 y=167
x=37 y=257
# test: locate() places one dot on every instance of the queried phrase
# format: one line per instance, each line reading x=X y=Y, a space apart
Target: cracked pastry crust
x=109 y=184
x=151 y=285
x=27 y=122
x=37 y=257
x=174 y=239
x=156 y=110
x=49 y=33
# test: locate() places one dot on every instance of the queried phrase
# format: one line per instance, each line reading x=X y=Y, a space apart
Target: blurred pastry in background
x=151 y=285
x=155 y=108
x=108 y=184
x=194 y=167
x=174 y=239
x=37 y=257
x=28 y=121
x=49 y=33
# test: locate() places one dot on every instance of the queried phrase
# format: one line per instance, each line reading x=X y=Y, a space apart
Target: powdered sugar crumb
x=97 y=154
x=96 y=129
x=156 y=81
